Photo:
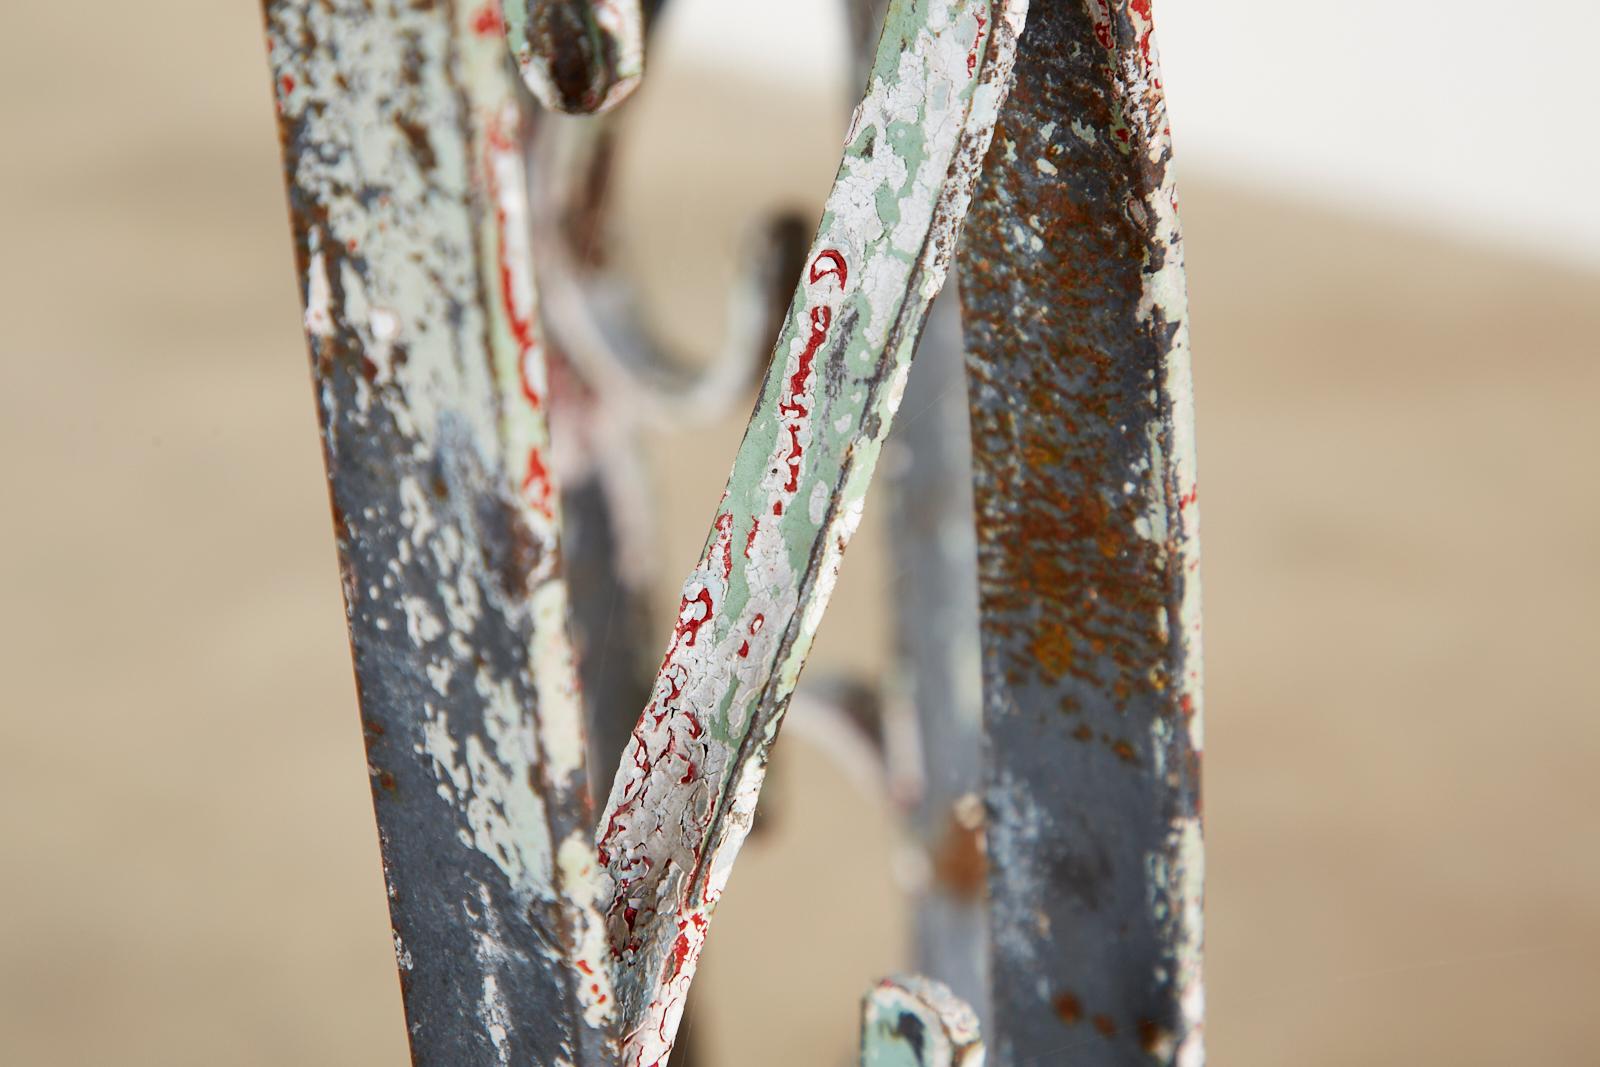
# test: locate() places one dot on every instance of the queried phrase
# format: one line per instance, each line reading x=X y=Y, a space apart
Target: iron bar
x=683 y=799
x=1083 y=439
x=400 y=126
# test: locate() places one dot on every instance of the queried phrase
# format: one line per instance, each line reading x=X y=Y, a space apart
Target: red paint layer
x=536 y=487
x=977 y=45
x=835 y=266
x=487 y=21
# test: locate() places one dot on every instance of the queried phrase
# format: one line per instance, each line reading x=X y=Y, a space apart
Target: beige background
x=1400 y=527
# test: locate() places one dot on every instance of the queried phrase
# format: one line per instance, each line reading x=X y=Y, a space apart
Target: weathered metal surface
x=682 y=802
x=915 y=1022
x=578 y=56
x=402 y=142
x=399 y=124
x=1072 y=279
x=937 y=701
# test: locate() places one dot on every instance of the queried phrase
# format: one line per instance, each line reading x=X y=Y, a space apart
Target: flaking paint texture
x=400 y=138
x=683 y=799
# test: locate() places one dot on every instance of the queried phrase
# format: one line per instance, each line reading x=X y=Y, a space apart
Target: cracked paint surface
x=1083 y=440
x=401 y=142
x=683 y=799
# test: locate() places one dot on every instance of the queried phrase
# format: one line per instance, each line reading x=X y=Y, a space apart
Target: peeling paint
x=401 y=129
x=521 y=933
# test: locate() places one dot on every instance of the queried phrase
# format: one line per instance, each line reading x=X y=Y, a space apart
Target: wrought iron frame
x=1044 y=723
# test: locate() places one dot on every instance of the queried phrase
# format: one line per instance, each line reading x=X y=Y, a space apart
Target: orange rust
x=1153 y=1037
x=1079 y=421
x=1052 y=647
x=960 y=864
x=1064 y=563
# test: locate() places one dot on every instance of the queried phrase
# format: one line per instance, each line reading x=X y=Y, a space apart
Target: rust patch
x=960 y=864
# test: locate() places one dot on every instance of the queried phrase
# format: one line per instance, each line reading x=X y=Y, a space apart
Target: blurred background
x=1394 y=259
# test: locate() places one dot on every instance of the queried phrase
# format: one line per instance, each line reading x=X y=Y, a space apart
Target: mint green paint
x=686 y=789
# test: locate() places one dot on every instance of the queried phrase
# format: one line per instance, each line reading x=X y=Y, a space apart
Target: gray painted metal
x=609 y=617
x=937 y=687
x=397 y=121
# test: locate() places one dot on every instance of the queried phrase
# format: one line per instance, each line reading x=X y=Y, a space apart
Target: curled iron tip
x=577 y=56
x=915 y=1021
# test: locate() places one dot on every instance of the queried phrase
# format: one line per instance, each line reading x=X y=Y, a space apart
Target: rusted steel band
x=1082 y=427
x=400 y=130
x=683 y=799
